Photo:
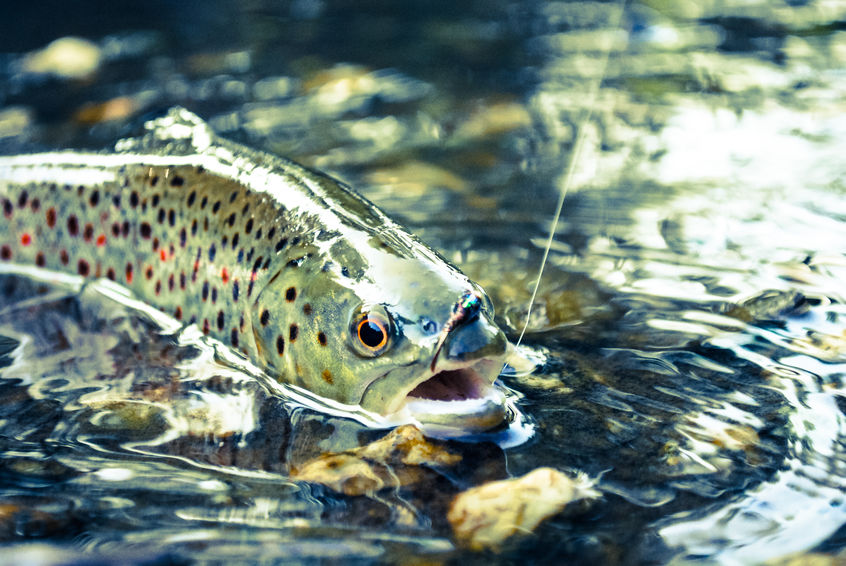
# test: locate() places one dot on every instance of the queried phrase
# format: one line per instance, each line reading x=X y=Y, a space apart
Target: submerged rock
x=486 y=516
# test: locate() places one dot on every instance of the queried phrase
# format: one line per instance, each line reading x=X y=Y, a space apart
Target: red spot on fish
x=101 y=240
x=51 y=217
x=129 y=273
x=205 y=326
x=224 y=275
x=163 y=254
x=178 y=313
x=26 y=239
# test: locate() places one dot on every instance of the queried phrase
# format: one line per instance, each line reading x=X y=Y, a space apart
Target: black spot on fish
x=220 y=320
x=307 y=309
x=231 y=220
x=154 y=180
x=266 y=264
x=291 y=294
x=280 y=345
x=321 y=337
x=73 y=225
x=235 y=239
x=183 y=237
x=161 y=215
x=258 y=234
x=83 y=268
x=6 y=252
x=182 y=280
x=235 y=290
x=265 y=317
x=295 y=240
x=296 y=262
x=233 y=337
x=192 y=196
x=271 y=232
x=240 y=257
x=212 y=252
x=194 y=227
x=204 y=202
x=40 y=260
x=224 y=241
x=148 y=273
x=88 y=232
x=80 y=190
x=158 y=288
x=257 y=264
x=245 y=209
x=124 y=228
x=249 y=226
x=145 y=230
x=214 y=295
x=205 y=294
x=22 y=199
x=133 y=199
x=116 y=201
x=8 y=207
x=293 y=332
x=171 y=217
x=233 y=196
x=155 y=200
x=110 y=273
x=216 y=207
x=176 y=181
x=177 y=314
x=345 y=271
x=281 y=244
x=171 y=282
x=115 y=229
x=63 y=257
x=36 y=204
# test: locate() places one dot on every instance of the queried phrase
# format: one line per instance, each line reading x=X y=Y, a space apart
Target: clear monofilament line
x=565 y=186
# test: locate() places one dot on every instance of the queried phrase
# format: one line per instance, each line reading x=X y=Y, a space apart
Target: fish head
x=396 y=334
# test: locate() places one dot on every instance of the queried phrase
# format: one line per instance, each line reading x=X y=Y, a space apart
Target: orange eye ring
x=371 y=332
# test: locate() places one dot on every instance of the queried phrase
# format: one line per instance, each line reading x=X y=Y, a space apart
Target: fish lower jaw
x=458 y=401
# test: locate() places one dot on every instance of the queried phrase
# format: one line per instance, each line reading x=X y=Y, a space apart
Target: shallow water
x=690 y=323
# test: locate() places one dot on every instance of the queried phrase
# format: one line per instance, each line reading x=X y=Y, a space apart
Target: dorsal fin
x=177 y=132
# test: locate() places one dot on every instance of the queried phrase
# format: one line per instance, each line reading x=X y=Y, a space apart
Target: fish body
x=302 y=275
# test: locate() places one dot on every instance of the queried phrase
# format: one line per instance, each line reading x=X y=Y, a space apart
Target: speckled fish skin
x=263 y=254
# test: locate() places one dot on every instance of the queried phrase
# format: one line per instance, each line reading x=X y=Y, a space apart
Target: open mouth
x=460 y=399
x=451 y=385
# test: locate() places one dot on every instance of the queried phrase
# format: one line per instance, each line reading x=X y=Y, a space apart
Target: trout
x=306 y=278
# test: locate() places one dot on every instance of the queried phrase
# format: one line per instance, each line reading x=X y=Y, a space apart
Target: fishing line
x=564 y=188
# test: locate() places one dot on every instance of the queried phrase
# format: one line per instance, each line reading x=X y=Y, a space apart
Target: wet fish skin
x=263 y=254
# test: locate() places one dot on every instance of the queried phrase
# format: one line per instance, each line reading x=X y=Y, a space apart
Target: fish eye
x=371 y=331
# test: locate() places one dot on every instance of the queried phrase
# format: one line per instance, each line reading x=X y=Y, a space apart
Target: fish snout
x=478 y=339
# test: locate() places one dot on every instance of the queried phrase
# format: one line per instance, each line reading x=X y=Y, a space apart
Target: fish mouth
x=459 y=400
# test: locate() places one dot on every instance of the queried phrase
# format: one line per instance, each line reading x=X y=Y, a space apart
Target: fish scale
x=303 y=276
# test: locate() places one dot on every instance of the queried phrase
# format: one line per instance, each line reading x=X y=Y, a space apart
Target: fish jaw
x=454 y=400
